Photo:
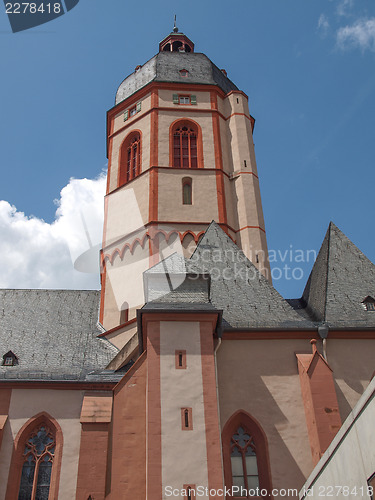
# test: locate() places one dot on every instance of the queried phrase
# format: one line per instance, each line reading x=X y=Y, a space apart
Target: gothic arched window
x=37 y=464
x=185 y=145
x=245 y=456
x=36 y=460
x=130 y=158
x=244 y=460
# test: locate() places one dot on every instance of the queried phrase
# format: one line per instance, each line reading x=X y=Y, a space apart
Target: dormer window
x=369 y=303
x=184 y=72
x=10 y=359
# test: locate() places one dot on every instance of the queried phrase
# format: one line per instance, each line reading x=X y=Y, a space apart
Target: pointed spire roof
x=341 y=278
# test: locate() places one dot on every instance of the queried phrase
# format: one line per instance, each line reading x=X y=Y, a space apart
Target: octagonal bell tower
x=180 y=154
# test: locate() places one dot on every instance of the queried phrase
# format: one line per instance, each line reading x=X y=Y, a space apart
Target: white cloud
x=361 y=35
x=344 y=7
x=323 y=24
x=36 y=254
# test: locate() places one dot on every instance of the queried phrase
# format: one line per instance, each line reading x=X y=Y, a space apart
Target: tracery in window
x=38 y=458
x=130 y=158
x=244 y=460
x=245 y=456
x=185 y=147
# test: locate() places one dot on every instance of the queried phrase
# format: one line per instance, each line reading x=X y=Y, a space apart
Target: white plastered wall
x=184 y=455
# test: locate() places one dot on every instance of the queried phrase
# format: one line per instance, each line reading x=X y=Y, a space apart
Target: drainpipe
x=218 y=405
x=323 y=330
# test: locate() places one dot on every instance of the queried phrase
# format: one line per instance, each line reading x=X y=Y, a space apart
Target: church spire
x=176 y=41
x=175 y=29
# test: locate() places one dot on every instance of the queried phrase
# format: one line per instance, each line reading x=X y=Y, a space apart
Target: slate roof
x=166 y=66
x=341 y=278
x=237 y=288
x=53 y=333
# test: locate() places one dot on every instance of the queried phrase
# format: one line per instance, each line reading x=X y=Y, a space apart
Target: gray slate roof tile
x=341 y=278
x=53 y=333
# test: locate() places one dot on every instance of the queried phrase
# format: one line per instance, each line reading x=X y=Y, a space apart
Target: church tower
x=180 y=154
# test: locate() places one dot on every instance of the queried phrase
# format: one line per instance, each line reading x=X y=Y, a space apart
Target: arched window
x=243 y=460
x=124 y=317
x=245 y=455
x=36 y=460
x=187 y=191
x=37 y=464
x=185 y=148
x=130 y=158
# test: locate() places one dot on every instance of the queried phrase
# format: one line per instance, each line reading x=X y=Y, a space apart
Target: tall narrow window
x=130 y=158
x=124 y=316
x=245 y=455
x=186 y=419
x=185 y=147
x=180 y=360
x=37 y=466
x=187 y=191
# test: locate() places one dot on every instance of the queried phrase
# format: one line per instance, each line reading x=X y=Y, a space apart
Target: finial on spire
x=175 y=29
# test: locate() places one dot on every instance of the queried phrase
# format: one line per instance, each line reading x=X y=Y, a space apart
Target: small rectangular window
x=184 y=99
x=186 y=419
x=180 y=359
x=133 y=111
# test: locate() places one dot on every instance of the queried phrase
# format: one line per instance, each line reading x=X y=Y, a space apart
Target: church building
x=187 y=373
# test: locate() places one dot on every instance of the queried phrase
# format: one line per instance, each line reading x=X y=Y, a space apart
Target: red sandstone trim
x=268 y=335
x=112 y=330
x=5 y=395
x=154 y=135
x=130 y=372
x=320 y=401
x=250 y=227
x=214 y=464
x=18 y=459
x=242 y=418
x=64 y=386
x=154 y=456
x=110 y=147
x=91 y=479
x=103 y=279
x=218 y=162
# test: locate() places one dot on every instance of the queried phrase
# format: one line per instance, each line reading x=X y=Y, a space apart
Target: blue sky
x=307 y=67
